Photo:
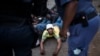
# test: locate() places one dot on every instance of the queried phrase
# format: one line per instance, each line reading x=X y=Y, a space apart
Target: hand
x=63 y=33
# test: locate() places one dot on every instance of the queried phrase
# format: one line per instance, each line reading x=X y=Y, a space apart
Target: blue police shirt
x=83 y=6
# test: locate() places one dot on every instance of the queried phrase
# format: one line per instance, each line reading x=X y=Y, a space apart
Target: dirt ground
x=95 y=45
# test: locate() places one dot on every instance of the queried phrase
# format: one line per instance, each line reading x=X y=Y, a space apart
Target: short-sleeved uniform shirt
x=83 y=6
x=55 y=34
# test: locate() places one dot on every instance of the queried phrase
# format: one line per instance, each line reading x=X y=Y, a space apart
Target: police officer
x=15 y=30
x=79 y=16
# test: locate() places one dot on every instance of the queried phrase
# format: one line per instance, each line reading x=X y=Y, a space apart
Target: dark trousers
x=17 y=37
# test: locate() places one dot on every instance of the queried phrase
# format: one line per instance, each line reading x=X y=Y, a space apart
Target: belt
x=78 y=20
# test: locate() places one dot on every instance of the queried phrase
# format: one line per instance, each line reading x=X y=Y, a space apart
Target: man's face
x=50 y=31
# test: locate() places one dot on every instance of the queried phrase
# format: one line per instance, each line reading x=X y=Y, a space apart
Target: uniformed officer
x=79 y=16
x=15 y=30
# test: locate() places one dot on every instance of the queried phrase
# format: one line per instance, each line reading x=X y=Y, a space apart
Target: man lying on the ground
x=51 y=31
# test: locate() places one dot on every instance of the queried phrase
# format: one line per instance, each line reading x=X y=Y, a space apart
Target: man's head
x=49 y=28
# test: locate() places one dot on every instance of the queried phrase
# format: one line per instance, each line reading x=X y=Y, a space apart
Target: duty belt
x=87 y=17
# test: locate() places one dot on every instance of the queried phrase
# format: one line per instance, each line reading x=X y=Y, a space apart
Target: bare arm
x=69 y=13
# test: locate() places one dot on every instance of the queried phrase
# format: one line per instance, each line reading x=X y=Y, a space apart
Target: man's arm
x=42 y=51
x=69 y=13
